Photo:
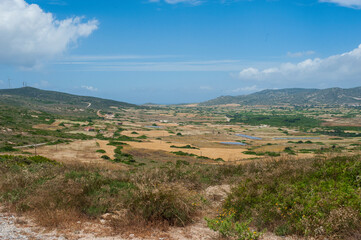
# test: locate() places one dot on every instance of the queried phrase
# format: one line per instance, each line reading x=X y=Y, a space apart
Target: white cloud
x=345 y=3
x=344 y=67
x=300 y=54
x=29 y=35
x=245 y=89
x=90 y=88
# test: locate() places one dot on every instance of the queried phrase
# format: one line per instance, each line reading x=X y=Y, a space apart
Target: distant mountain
x=54 y=101
x=294 y=96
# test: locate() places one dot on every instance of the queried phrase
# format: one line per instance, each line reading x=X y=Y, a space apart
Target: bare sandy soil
x=84 y=132
x=107 y=148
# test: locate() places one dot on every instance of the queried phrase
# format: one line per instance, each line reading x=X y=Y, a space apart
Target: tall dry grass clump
x=171 y=202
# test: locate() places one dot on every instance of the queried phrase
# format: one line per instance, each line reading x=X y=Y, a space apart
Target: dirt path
x=99 y=114
x=32 y=145
x=21 y=228
x=10 y=230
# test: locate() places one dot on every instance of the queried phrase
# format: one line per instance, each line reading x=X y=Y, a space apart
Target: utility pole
x=9 y=80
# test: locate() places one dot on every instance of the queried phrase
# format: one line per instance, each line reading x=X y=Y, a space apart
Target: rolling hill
x=55 y=101
x=293 y=96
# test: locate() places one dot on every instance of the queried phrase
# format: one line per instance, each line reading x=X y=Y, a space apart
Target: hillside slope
x=53 y=101
x=294 y=96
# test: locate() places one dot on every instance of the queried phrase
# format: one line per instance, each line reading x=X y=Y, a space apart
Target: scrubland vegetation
x=307 y=197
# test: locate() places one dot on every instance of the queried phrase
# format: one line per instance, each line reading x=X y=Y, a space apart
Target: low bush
x=231 y=229
x=271 y=154
x=180 y=153
x=186 y=146
x=7 y=149
x=168 y=202
x=318 y=197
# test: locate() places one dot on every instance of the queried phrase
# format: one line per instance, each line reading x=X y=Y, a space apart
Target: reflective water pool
x=234 y=143
x=247 y=136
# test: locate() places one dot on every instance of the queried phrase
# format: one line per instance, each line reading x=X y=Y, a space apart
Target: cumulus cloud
x=90 y=88
x=345 y=3
x=343 y=67
x=29 y=35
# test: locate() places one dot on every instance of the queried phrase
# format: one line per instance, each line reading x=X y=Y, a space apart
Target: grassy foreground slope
x=315 y=197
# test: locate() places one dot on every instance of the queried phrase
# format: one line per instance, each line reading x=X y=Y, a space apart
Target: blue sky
x=178 y=51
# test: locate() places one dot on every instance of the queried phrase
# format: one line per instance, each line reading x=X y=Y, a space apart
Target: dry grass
x=151 y=134
x=226 y=153
x=80 y=152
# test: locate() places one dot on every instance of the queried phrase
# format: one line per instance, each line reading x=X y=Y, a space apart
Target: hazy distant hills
x=294 y=96
x=50 y=100
x=58 y=101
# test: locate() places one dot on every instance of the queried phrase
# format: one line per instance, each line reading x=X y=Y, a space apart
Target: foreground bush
x=166 y=202
x=309 y=198
x=230 y=228
x=54 y=193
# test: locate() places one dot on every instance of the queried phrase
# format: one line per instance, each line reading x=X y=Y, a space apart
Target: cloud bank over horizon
x=28 y=35
x=345 y=3
x=342 y=67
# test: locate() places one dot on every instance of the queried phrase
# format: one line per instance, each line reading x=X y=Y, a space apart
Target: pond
x=153 y=126
x=234 y=143
x=296 y=138
x=247 y=136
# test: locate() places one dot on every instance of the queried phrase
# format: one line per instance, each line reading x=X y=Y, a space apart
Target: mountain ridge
x=293 y=96
x=38 y=98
